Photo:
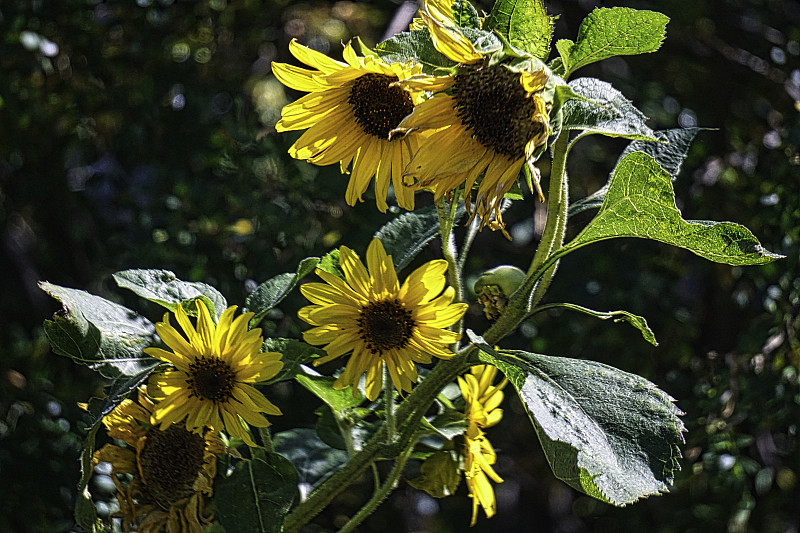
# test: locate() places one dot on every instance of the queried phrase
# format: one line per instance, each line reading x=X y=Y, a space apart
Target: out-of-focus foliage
x=140 y=135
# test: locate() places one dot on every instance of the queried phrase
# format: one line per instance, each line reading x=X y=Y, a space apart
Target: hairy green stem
x=447 y=215
x=382 y=493
x=388 y=405
x=266 y=439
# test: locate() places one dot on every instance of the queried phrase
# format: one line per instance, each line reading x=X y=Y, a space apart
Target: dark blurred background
x=141 y=135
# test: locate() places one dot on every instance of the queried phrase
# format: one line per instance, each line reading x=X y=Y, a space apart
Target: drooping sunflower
x=381 y=322
x=351 y=109
x=482 y=411
x=485 y=122
x=213 y=367
x=164 y=478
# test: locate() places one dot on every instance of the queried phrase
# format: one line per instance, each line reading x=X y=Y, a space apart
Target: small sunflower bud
x=495 y=286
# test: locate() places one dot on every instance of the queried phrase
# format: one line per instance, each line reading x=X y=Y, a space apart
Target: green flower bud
x=495 y=286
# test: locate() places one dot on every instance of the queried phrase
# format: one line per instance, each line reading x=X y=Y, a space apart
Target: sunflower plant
x=457 y=112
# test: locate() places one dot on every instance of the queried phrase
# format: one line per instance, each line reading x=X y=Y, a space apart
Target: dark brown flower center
x=492 y=103
x=170 y=461
x=211 y=378
x=385 y=325
x=378 y=107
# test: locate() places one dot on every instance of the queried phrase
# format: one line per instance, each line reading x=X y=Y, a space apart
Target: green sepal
x=440 y=474
x=165 y=289
x=609 y=32
x=257 y=495
x=612 y=435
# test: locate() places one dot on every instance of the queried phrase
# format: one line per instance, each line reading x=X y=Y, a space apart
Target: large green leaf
x=102 y=335
x=415 y=45
x=640 y=202
x=600 y=108
x=322 y=388
x=313 y=459
x=613 y=32
x=274 y=290
x=524 y=23
x=163 y=288
x=405 y=236
x=669 y=152
x=612 y=435
x=256 y=496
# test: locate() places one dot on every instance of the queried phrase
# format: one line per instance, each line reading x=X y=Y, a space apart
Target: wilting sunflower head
x=482 y=400
x=486 y=122
x=351 y=109
x=167 y=476
x=380 y=321
x=209 y=384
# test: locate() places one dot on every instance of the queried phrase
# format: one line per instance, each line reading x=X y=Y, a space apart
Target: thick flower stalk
x=482 y=411
x=485 y=121
x=214 y=365
x=164 y=477
x=351 y=109
x=380 y=322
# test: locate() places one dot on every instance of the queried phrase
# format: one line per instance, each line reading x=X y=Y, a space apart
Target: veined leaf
x=524 y=23
x=600 y=108
x=415 y=45
x=294 y=353
x=322 y=388
x=640 y=202
x=102 y=335
x=612 y=435
x=257 y=495
x=163 y=288
x=618 y=316
x=405 y=236
x=465 y=15
x=669 y=153
x=609 y=32
x=274 y=290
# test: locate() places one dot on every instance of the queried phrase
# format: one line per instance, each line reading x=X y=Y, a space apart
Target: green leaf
x=640 y=202
x=274 y=290
x=313 y=459
x=405 y=236
x=322 y=388
x=465 y=15
x=85 y=511
x=294 y=353
x=102 y=335
x=609 y=32
x=257 y=495
x=669 y=153
x=618 y=316
x=415 y=45
x=525 y=24
x=612 y=435
x=600 y=108
x=163 y=288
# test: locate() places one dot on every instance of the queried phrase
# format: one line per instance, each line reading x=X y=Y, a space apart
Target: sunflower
x=482 y=402
x=164 y=478
x=486 y=120
x=369 y=314
x=351 y=109
x=213 y=365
